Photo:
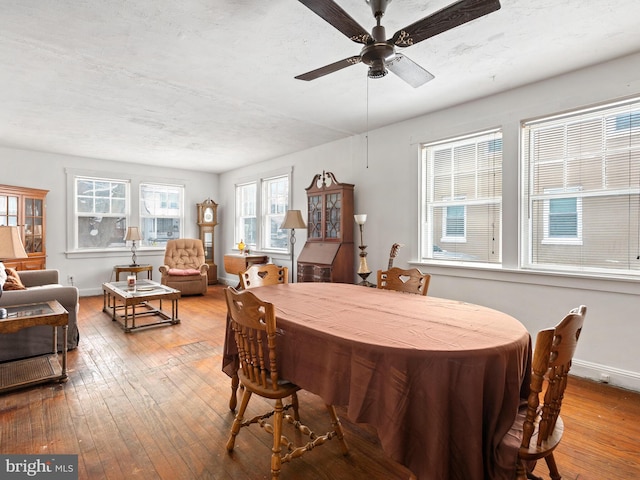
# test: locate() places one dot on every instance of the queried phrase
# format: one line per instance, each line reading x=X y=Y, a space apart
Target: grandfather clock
x=207 y=221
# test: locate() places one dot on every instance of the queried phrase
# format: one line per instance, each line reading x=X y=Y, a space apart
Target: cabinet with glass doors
x=25 y=208
x=328 y=254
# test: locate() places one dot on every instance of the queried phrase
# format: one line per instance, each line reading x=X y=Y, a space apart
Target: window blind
x=461 y=204
x=581 y=190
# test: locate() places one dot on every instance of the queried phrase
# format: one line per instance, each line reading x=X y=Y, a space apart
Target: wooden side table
x=235 y=263
x=133 y=269
x=43 y=368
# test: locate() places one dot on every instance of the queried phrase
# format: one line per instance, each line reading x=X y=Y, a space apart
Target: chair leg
x=553 y=468
x=294 y=404
x=237 y=422
x=337 y=427
x=521 y=471
x=276 y=459
x=233 y=401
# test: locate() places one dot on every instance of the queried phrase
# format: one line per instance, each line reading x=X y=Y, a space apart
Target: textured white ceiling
x=209 y=84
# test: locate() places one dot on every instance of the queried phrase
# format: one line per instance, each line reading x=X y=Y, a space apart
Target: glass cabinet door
x=314 y=223
x=33 y=231
x=8 y=210
x=332 y=212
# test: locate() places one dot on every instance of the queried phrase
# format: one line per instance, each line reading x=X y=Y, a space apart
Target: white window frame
x=162 y=212
x=98 y=215
x=262 y=218
x=280 y=201
x=246 y=209
x=445 y=224
x=603 y=151
x=428 y=203
x=561 y=194
x=131 y=215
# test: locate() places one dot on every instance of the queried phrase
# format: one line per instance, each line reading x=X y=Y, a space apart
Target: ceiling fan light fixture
x=377 y=70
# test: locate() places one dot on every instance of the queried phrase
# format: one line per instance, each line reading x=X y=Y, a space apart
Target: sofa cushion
x=13 y=280
x=183 y=271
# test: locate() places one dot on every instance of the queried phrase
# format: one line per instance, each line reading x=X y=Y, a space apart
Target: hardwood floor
x=154 y=405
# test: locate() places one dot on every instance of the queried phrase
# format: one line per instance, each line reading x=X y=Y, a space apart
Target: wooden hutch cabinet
x=25 y=208
x=328 y=254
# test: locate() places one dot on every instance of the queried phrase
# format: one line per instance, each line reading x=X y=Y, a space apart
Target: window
x=246 y=200
x=276 y=201
x=563 y=218
x=453 y=223
x=581 y=190
x=160 y=213
x=100 y=212
x=258 y=217
x=461 y=198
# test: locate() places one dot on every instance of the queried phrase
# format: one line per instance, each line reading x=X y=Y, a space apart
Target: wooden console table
x=43 y=368
x=235 y=263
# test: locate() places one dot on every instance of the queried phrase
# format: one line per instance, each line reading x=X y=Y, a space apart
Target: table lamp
x=292 y=220
x=133 y=234
x=11 y=247
x=363 y=269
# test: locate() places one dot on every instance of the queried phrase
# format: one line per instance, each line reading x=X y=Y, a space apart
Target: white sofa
x=42 y=286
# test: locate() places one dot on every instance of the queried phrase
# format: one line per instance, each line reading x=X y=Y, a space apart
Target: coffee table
x=43 y=368
x=135 y=303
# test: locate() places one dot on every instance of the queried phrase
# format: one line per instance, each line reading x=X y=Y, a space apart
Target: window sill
x=600 y=283
x=113 y=252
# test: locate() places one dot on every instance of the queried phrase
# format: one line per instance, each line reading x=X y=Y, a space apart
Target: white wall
x=387 y=191
x=48 y=171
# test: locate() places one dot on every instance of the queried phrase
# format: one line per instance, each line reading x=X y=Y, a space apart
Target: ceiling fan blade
x=327 y=69
x=454 y=15
x=336 y=16
x=409 y=71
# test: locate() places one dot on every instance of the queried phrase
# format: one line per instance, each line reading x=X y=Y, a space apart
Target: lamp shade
x=10 y=244
x=133 y=233
x=360 y=218
x=293 y=219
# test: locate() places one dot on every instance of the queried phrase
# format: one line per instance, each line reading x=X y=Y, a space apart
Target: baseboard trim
x=605 y=374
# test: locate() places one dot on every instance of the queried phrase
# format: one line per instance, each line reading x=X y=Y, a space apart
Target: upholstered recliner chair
x=184 y=266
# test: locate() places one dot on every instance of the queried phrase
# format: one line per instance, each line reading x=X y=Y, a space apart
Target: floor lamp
x=11 y=248
x=292 y=220
x=363 y=269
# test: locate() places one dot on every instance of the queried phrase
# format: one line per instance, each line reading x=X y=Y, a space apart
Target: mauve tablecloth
x=441 y=380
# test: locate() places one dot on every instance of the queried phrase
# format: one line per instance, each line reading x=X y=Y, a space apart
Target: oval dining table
x=440 y=380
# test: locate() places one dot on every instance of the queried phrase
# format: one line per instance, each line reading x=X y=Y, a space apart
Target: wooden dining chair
x=257 y=276
x=265 y=274
x=543 y=426
x=411 y=281
x=254 y=326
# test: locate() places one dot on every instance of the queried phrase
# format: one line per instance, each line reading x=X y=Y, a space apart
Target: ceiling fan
x=380 y=54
